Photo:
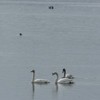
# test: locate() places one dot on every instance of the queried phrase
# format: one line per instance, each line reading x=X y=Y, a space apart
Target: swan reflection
x=59 y=86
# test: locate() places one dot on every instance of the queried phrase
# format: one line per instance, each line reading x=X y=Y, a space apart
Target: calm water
x=67 y=36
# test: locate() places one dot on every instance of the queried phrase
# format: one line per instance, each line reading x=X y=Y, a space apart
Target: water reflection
x=57 y=88
x=33 y=91
x=55 y=91
x=38 y=84
x=33 y=88
x=62 y=85
x=38 y=89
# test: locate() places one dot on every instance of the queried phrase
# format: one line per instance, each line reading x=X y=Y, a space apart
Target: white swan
x=39 y=81
x=62 y=80
x=67 y=75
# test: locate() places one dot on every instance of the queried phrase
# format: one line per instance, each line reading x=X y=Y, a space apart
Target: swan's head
x=64 y=70
x=55 y=73
x=33 y=71
x=20 y=34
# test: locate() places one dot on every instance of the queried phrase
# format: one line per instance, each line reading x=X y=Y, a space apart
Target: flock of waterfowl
x=66 y=79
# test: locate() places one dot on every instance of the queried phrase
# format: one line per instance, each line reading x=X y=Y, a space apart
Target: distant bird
x=67 y=75
x=51 y=7
x=62 y=80
x=20 y=34
x=38 y=81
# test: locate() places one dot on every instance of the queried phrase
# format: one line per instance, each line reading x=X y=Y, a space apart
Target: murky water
x=67 y=36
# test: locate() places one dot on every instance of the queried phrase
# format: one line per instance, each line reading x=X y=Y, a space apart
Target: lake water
x=66 y=37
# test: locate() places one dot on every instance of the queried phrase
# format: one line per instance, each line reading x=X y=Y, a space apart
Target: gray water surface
x=67 y=36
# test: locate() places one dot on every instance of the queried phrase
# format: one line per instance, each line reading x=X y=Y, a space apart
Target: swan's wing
x=41 y=81
x=69 y=76
x=64 y=80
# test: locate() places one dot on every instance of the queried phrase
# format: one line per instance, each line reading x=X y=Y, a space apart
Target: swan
x=38 y=81
x=62 y=80
x=67 y=75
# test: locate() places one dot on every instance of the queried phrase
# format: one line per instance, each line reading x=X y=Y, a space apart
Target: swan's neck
x=33 y=77
x=64 y=73
x=57 y=78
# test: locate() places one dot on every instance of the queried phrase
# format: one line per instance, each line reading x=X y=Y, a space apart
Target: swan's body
x=67 y=75
x=39 y=81
x=62 y=80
